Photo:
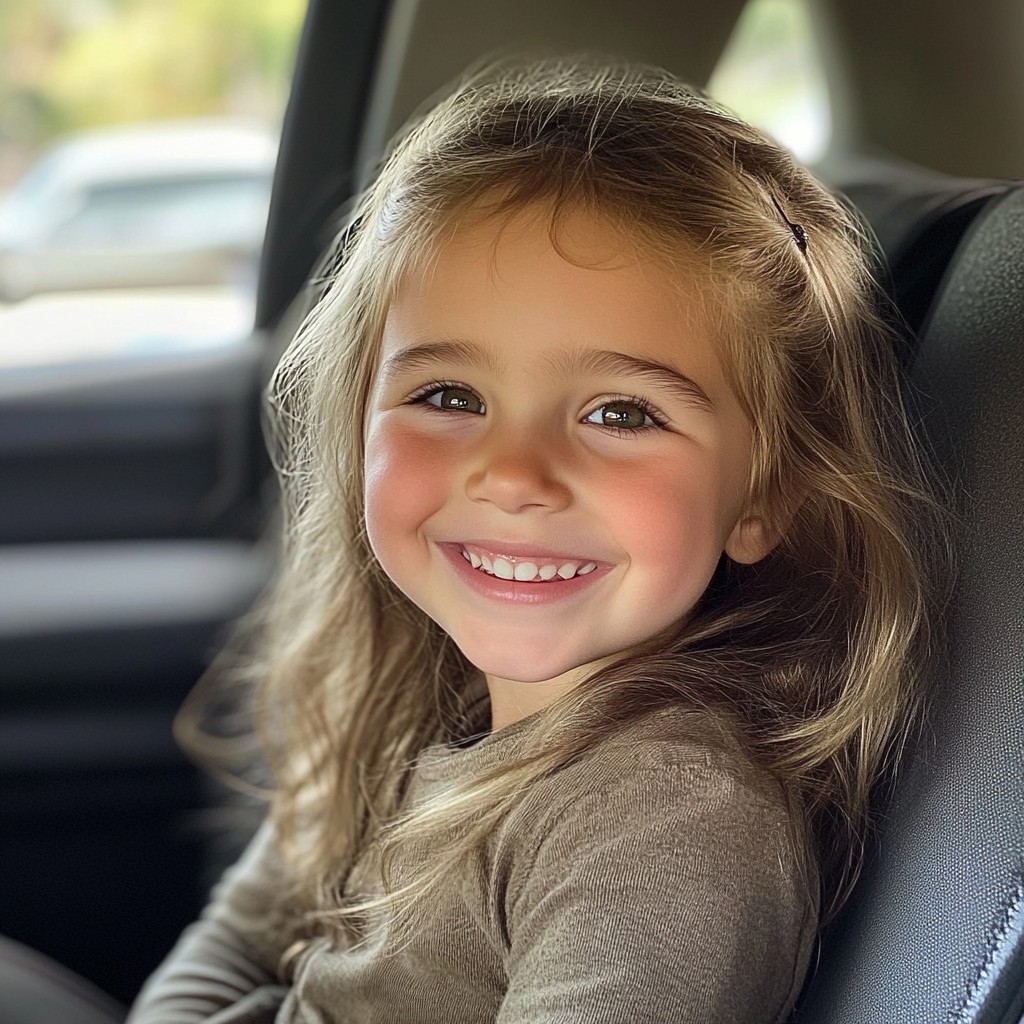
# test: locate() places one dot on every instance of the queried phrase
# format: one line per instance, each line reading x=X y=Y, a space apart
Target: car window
x=137 y=148
x=772 y=75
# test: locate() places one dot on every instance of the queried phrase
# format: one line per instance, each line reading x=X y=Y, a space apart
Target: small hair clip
x=798 y=229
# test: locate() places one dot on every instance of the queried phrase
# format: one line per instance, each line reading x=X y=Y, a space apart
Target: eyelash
x=420 y=396
x=659 y=422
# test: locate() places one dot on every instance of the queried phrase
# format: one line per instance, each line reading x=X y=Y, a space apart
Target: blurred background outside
x=137 y=147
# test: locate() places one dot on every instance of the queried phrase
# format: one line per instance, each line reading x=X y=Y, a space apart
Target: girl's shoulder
x=675 y=752
x=674 y=772
x=663 y=844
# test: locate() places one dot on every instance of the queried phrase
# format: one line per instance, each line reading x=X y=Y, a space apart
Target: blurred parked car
x=178 y=203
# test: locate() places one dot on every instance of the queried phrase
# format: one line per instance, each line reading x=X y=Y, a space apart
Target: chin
x=521 y=667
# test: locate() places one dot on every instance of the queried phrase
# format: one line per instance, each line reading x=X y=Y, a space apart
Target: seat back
x=935 y=931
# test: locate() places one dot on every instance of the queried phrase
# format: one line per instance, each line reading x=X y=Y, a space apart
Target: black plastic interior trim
x=316 y=168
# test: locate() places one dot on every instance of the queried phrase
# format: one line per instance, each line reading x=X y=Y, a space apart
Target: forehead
x=527 y=287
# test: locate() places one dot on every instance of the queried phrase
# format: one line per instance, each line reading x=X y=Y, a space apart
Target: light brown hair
x=812 y=655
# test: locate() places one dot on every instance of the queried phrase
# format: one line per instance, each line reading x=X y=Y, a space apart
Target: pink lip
x=515 y=591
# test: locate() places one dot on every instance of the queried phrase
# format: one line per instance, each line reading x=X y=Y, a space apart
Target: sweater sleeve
x=661 y=893
x=225 y=964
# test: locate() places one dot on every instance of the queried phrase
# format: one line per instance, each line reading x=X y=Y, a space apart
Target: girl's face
x=554 y=460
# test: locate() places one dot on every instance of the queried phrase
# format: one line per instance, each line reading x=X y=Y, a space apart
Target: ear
x=751 y=539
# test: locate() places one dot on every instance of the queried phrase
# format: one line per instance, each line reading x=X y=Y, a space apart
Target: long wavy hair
x=812 y=656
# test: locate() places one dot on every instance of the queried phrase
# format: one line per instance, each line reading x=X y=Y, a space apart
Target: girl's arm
x=225 y=964
x=672 y=892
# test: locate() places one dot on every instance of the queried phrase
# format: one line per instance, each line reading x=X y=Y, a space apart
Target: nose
x=517 y=473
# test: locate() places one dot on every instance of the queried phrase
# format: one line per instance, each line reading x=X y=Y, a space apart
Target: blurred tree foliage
x=68 y=64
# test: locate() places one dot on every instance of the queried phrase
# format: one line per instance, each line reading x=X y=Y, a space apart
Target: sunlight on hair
x=814 y=656
x=771 y=75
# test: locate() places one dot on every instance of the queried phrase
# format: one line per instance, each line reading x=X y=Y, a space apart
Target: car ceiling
x=936 y=82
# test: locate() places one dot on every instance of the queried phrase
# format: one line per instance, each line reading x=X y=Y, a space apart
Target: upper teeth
x=525 y=571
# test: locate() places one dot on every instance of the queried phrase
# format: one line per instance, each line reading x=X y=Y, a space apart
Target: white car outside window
x=181 y=203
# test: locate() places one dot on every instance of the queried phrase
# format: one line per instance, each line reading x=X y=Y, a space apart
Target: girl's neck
x=513 y=700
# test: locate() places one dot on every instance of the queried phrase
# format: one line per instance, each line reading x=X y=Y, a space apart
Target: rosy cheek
x=407 y=481
x=665 y=517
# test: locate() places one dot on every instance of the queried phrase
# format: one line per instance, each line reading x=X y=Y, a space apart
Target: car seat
x=934 y=933
x=36 y=990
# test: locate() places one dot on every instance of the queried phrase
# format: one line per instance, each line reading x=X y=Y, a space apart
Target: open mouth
x=530 y=577
x=525 y=568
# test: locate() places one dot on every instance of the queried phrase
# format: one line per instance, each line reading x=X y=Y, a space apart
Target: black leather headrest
x=918 y=223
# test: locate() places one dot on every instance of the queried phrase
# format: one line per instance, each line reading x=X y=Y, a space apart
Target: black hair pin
x=798 y=229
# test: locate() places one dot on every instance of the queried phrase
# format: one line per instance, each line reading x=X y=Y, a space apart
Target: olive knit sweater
x=659 y=878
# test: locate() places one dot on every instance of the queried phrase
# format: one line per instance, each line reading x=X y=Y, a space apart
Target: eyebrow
x=604 y=361
x=419 y=357
x=595 y=361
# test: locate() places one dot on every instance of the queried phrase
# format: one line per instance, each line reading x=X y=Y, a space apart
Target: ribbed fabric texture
x=658 y=879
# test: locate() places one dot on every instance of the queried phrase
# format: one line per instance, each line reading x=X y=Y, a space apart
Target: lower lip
x=518 y=591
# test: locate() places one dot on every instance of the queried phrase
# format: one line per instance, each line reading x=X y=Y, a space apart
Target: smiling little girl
x=601 y=593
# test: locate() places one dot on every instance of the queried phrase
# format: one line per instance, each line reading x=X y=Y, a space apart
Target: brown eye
x=624 y=415
x=456 y=400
